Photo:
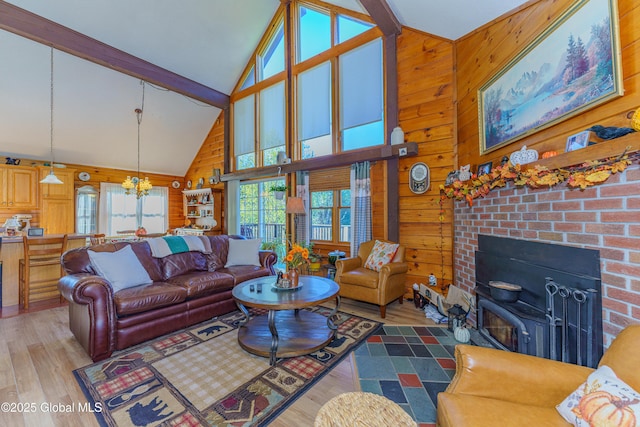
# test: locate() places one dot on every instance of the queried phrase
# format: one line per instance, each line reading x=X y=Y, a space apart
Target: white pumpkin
x=523 y=156
x=462 y=334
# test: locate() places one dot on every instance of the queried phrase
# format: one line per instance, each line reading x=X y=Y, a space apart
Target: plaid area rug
x=409 y=365
x=201 y=376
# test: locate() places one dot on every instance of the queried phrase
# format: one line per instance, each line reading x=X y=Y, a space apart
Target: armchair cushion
x=381 y=254
x=603 y=397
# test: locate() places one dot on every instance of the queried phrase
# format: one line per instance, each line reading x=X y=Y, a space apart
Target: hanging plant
x=585 y=175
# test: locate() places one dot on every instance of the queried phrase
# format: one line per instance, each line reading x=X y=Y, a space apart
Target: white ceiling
x=208 y=41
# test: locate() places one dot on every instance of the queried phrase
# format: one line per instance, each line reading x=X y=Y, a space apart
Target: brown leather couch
x=187 y=288
x=362 y=284
x=500 y=388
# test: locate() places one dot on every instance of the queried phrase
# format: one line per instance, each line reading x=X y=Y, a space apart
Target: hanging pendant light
x=141 y=187
x=51 y=178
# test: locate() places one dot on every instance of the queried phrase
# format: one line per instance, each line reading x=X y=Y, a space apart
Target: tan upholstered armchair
x=362 y=284
x=500 y=388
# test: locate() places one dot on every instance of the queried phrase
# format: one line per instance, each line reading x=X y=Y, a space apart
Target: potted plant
x=278 y=190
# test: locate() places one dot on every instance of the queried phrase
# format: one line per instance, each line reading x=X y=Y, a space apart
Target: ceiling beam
x=383 y=16
x=49 y=33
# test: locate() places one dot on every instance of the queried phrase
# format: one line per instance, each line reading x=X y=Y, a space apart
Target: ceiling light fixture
x=142 y=187
x=51 y=178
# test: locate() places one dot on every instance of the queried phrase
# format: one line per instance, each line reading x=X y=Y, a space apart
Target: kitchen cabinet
x=18 y=187
x=57 y=202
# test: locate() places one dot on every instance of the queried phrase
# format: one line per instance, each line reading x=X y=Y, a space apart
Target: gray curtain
x=303 y=220
x=360 y=205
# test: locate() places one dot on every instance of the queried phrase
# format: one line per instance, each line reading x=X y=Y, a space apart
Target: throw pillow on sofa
x=381 y=254
x=244 y=252
x=603 y=399
x=122 y=268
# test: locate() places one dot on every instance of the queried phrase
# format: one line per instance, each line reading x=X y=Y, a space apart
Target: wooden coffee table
x=287 y=331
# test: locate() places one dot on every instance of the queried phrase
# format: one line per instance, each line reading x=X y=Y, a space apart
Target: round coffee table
x=286 y=331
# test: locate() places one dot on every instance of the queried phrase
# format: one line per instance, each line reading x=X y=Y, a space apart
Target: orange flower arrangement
x=297 y=256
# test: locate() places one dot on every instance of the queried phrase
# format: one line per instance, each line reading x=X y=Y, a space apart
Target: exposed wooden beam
x=381 y=152
x=41 y=30
x=383 y=16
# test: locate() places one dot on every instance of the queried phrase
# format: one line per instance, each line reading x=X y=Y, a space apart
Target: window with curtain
x=119 y=211
x=362 y=97
x=330 y=205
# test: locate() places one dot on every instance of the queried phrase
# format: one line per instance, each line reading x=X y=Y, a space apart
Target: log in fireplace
x=559 y=312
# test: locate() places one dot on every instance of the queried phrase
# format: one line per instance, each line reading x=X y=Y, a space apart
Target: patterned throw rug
x=409 y=365
x=201 y=376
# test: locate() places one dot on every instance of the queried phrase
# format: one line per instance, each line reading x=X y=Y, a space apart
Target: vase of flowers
x=297 y=256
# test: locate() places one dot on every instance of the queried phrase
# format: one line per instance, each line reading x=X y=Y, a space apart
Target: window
x=271 y=59
x=314 y=111
x=349 y=28
x=119 y=211
x=331 y=215
x=314 y=34
x=361 y=97
x=272 y=123
x=87 y=210
x=261 y=214
x=244 y=132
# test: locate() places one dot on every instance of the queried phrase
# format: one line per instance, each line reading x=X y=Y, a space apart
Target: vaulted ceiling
x=207 y=41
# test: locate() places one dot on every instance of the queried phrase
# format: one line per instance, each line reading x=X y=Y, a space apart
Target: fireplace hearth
x=559 y=312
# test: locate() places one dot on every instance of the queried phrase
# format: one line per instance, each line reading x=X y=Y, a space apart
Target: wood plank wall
x=486 y=51
x=209 y=157
x=426 y=99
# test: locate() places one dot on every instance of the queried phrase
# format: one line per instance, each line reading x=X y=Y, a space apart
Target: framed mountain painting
x=572 y=66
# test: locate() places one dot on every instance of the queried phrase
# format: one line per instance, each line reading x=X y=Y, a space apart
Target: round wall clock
x=419 y=179
x=175 y=184
x=84 y=176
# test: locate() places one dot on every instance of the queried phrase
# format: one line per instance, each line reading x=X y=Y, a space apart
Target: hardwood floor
x=38 y=353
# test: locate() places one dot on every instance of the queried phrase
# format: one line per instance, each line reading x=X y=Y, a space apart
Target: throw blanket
x=169 y=245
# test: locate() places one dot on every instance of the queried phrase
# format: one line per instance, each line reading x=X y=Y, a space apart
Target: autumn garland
x=585 y=175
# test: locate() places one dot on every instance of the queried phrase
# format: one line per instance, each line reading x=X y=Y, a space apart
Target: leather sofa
x=187 y=288
x=500 y=388
x=362 y=284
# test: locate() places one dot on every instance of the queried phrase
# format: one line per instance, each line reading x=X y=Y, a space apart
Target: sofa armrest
x=92 y=312
x=268 y=259
x=514 y=377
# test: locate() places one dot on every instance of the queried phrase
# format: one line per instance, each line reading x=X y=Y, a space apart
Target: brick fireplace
x=604 y=217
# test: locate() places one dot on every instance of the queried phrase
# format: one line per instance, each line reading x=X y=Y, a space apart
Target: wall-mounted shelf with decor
x=202 y=208
x=601 y=150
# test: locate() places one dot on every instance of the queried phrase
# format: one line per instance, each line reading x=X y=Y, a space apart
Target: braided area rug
x=201 y=376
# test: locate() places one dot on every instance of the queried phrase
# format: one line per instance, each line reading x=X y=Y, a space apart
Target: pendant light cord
x=139 y=112
x=51 y=109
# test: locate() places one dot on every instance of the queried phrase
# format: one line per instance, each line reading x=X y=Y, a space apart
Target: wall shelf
x=601 y=150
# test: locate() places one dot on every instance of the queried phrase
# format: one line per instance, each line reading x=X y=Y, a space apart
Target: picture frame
x=577 y=141
x=484 y=168
x=557 y=76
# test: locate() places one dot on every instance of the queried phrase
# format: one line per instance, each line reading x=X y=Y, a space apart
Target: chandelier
x=140 y=187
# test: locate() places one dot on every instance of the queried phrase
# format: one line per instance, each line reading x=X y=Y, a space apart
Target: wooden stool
x=360 y=409
x=40 y=253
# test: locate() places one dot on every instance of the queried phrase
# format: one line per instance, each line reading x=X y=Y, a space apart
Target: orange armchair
x=362 y=284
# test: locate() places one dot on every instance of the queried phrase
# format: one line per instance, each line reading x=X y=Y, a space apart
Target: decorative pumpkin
x=601 y=408
x=548 y=154
x=462 y=334
x=523 y=156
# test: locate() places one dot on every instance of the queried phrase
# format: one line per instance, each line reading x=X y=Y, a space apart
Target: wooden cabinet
x=202 y=208
x=18 y=187
x=57 y=203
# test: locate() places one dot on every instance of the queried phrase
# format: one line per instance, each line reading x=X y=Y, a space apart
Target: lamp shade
x=51 y=179
x=295 y=205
